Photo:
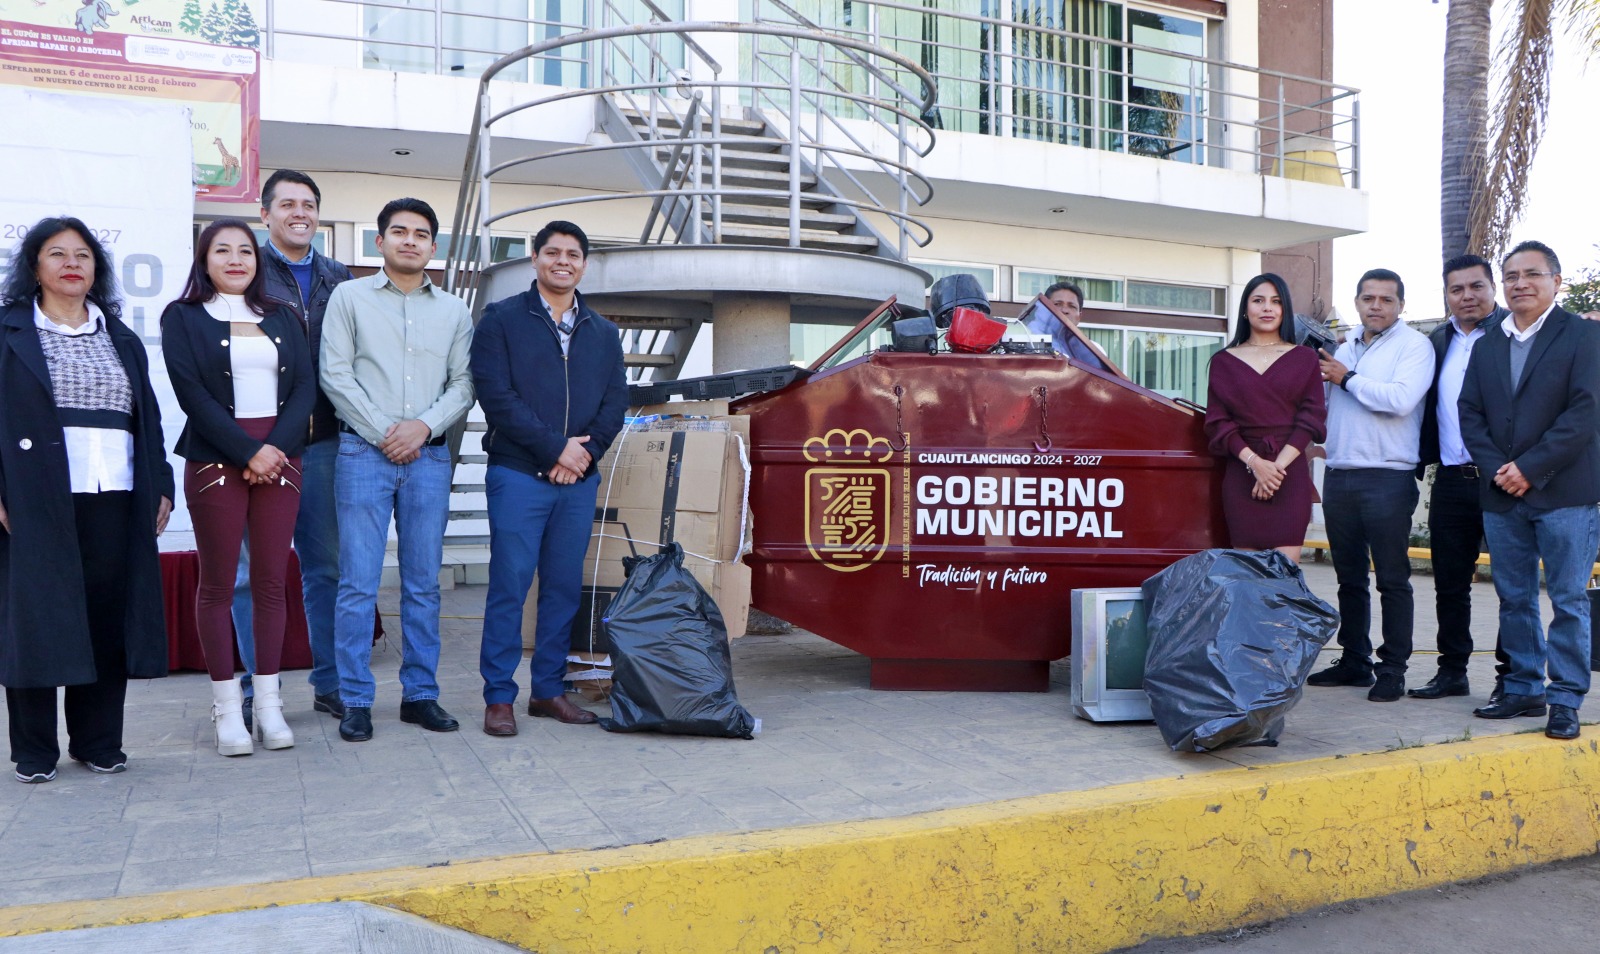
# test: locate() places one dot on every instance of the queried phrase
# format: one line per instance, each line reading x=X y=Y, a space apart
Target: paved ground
x=1548 y=909
x=336 y=928
x=831 y=750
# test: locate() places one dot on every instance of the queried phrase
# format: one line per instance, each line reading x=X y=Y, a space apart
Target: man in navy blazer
x=1530 y=409
x=549 y=375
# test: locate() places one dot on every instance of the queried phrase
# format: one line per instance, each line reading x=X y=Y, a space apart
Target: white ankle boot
x=227 y=705
x=270 y=728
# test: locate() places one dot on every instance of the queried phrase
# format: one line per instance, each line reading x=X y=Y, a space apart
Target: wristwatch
x=1344 y=382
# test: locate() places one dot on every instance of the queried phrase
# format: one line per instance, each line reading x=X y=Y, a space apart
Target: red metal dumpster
x=935 y=511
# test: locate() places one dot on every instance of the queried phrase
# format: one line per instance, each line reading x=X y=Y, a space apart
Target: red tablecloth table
x=180 y=583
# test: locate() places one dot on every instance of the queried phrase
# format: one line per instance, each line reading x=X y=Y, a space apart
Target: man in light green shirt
x=395 y=365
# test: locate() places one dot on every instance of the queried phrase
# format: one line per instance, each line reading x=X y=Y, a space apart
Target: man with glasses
x=1530 y=406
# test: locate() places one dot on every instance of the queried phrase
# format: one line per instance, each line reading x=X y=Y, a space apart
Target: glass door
x=1166 y=94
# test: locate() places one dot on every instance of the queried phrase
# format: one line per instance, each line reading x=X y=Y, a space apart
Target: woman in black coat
x=241 y=368
x=85 y=488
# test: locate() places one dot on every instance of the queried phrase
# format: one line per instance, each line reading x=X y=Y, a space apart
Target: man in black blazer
x=1455 y=518
x=1530 y=408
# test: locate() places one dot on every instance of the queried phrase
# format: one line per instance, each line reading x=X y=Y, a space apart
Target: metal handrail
x=1224 y=116
x=644 y=83
x=1334 y=115
x=690 y=123
x=830 y=156
x=688 y=41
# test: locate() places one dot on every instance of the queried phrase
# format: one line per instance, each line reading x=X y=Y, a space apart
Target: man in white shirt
x=1455 y=518
x=1530 y=412
x=1376 y=385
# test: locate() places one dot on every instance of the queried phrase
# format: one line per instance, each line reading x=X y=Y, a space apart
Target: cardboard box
x=683 y=480
x=589 y=675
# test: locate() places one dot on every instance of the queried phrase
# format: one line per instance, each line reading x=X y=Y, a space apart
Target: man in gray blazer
x=1530 y=409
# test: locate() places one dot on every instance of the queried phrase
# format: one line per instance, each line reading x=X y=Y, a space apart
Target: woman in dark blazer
x=85 y=488
x=241 y=369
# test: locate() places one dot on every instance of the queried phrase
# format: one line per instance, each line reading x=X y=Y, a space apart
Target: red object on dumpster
x=934 y=512
x=974 y=332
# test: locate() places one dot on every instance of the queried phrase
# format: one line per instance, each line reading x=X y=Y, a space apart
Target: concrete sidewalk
x=832 y=750
x=856 y=821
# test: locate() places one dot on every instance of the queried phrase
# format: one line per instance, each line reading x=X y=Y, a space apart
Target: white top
x=1509 y=325
x=98 y=458
x=1452 y=449
x=255 y=376
x=254 y=359
x=1377 y=423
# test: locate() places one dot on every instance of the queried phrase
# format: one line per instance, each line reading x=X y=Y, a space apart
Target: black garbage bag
x=669 y=649
x=1233 y=636
x=960 y=290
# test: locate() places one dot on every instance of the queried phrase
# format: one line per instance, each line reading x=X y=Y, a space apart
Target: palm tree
x=1487 y=155
x=1466 y=122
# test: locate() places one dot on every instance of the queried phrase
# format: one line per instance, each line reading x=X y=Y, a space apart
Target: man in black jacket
x=303 y=278
x=549 y=375
x=1455 y=519
x=1530 y=408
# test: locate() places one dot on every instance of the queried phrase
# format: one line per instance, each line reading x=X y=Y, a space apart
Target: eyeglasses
x=1511 y=278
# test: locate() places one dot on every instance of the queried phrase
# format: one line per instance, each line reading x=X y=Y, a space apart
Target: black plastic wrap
x=1233 y=636
x=669 y=649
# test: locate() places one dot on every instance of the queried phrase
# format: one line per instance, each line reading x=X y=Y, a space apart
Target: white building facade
x=1138 y=149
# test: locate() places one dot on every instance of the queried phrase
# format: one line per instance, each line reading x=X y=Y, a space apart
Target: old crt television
x=1108 y=650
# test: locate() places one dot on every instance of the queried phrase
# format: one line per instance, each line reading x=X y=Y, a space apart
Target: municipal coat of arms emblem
x=847 y=499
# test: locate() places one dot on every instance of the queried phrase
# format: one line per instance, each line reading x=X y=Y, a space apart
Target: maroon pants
x=222 y=504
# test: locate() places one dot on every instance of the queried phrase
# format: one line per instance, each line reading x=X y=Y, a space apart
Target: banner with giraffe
x=202 y=54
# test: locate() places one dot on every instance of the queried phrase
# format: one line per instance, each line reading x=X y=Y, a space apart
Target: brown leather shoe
x=499 y=719
x=562 y=709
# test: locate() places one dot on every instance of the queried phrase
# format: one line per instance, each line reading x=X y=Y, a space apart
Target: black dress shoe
x=1389 y=688
x=428 y=714
x=328 y=702
x=1512 y=705
x=1441 y=685
x=1345 y=672
x=356 y=724
x=1499 y=690
x=248 y=711
x=1563 y=722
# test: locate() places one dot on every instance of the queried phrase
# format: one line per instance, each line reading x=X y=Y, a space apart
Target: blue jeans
x=244 y=606
x=1566 y=539
x=533 y=525
x=316 y=541
x=1368 y=511
x=369 y=489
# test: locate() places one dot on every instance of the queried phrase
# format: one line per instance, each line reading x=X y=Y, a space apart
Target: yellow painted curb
x=1075 y=872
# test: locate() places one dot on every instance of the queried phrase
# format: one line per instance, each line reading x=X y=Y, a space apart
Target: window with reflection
x=1173 y=363
x=463 y=37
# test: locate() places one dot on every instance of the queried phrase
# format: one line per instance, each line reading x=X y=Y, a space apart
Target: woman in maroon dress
x=1265 y=405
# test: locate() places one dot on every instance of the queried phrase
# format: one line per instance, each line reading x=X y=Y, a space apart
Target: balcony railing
x=1016 y=77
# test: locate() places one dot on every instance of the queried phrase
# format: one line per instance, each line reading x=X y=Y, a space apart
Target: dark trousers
x=1368 y=515
x=1455 y=529
x=94 y=711
x=222 y=505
